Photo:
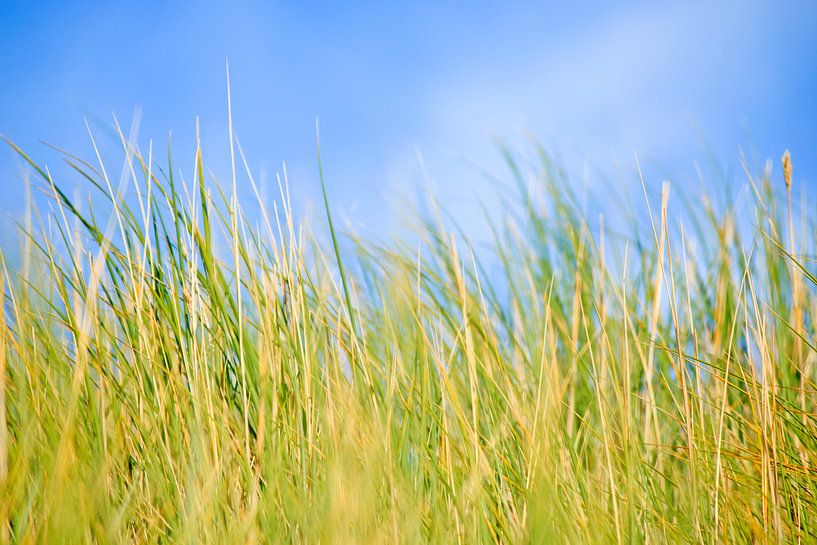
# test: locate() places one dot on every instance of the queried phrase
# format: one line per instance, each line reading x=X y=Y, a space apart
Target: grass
x=175 y=369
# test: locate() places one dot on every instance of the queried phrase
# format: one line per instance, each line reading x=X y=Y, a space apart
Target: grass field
x=176 y=369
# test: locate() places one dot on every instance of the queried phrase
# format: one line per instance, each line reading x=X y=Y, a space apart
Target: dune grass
x=175 y=369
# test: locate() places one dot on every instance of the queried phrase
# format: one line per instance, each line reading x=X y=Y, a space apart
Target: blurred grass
x=176 y=370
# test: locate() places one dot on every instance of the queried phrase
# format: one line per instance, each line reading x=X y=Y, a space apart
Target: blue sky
x=393 y=81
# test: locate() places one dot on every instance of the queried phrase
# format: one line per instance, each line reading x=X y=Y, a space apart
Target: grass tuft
x=173 y=370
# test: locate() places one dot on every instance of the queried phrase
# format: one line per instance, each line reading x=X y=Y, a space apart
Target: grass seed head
x=786 y=160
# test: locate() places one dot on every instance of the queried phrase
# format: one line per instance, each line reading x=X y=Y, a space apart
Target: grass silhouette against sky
x=389 y=80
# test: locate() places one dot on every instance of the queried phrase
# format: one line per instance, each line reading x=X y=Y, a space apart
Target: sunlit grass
x=177 y=370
